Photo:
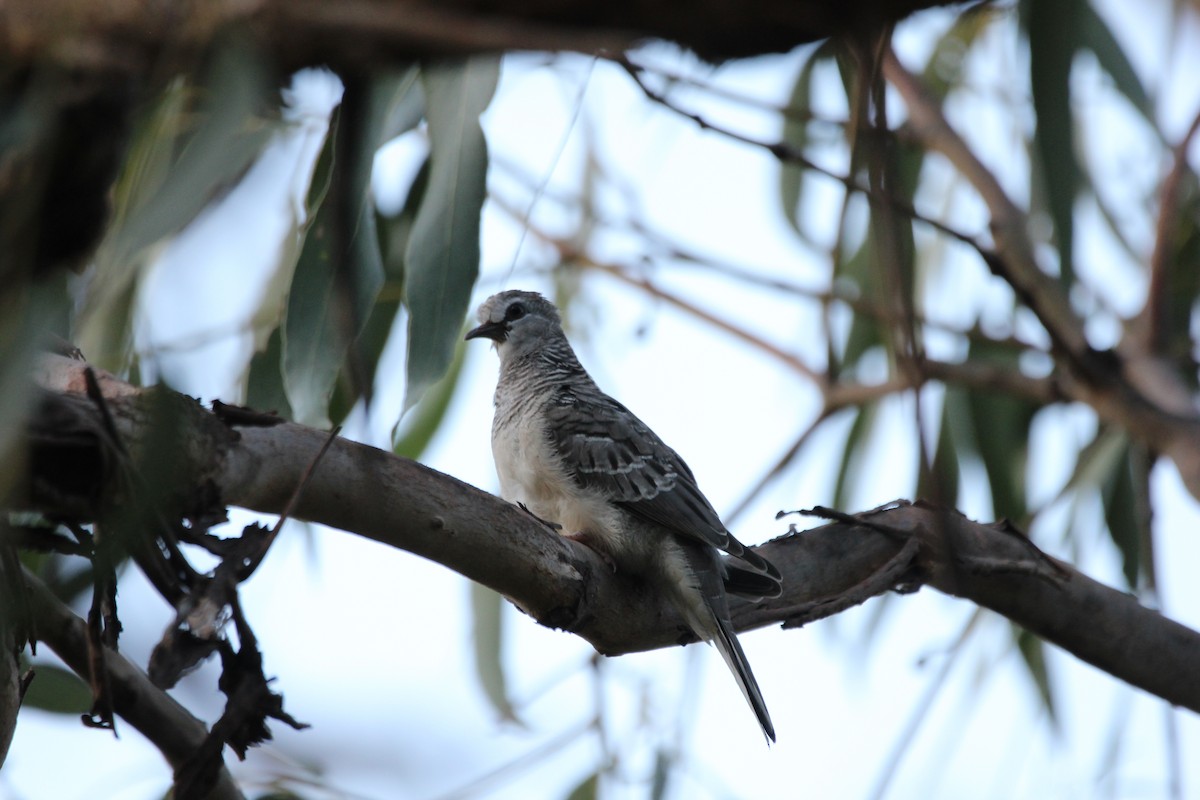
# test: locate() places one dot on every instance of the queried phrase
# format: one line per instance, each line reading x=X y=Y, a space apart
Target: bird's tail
x=708 y=616
x=735 y=658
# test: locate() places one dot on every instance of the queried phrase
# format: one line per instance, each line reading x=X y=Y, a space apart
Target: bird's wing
x=605 y=447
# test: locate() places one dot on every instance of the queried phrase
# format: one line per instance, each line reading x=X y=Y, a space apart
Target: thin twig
x=746 y=336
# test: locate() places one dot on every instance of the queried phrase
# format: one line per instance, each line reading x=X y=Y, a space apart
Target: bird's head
x=518 y=322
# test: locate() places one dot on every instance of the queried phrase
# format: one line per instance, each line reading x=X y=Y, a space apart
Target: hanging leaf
x=442 y=259
x=795 y=134
x=1120 y=514
x=588 y=789
x=58 y=691
x=1001 y=424
x=172 y=173
x=487 y=608
x=264 y=379
x=1033 y=655
x=393 y=235
x=1053 y=30
x=853 y=452
x=411 y=440
x=1095 y=35
x=939 y=483
x=340 y=270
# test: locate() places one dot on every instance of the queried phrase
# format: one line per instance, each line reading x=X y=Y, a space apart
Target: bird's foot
x=589 y=542
x=554 y=526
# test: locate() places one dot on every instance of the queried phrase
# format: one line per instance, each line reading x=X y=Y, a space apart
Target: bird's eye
x=514 y=312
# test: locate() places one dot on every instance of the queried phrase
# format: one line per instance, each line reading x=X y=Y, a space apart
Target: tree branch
x=1139 y=400
x=137 y=36
x=167 y=724
x=563 y=584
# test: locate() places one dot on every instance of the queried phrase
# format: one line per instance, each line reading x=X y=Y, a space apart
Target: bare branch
x=172 y=729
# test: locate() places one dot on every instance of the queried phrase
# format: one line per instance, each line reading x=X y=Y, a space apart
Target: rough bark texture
x=564 y=585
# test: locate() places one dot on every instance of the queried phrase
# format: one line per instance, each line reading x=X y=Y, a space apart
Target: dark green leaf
x=795 y=134
x=264 y=380
x=850 y=468
x=442 y=259
x=1095 y=35
x=1053 y=32
x=1001 y=425
x=939 y=484
x=865 y=332
x=587 y=789
x=56 y=690
x=1033 y=655
x=1120 y=514
x=312 y=343
x=393 y=235
x=172 y=173
x=487 y=608
x=426 y=417
x=340 y=271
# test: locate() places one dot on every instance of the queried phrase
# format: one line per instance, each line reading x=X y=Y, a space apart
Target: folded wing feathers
x=606 y=447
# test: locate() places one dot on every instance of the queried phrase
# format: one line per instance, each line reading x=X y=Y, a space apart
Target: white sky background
x=373 y=646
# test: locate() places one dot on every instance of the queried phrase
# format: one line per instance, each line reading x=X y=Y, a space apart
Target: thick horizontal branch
x=135 y=36
x=564 y=585
x=155 y=714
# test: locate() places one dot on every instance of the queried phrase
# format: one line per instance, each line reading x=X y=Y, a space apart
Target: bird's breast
x=531 y=472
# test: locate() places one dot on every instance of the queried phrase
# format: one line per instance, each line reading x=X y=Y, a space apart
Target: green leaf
x=587 y=789
x=1001 y=424
x=1033 y=655
x=943 y=71
x=393 y=235
x=1053 y=32
x=939 y=484
x=442 y=259
x=264 y=379
x=57 y=690
x=1120 y=514
x=340 y=270
x=426 y=417
x=487 y=608
x=795 y=134
x=1095 y=35
x=865 y=331
x=853 y=453
x=171 y=174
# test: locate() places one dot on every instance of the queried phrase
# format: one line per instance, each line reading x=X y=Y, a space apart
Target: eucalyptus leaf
x=57 y=690
x=588 y=788
x=795 y=135
x=1033 y=655
x=1053 y=32
x=340 y=271
x=487 y=608
x=1120 y=514
x=853 y=453
x=442 y=258
x=174 y=170
x=425 y=418
x=1096 y=36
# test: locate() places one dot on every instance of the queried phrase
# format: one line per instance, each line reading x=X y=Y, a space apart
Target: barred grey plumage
x=575 y=456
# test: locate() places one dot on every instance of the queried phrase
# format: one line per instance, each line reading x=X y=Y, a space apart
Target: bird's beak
x=496 y=331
